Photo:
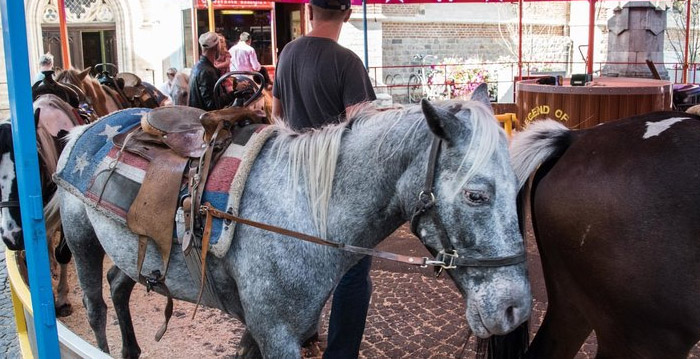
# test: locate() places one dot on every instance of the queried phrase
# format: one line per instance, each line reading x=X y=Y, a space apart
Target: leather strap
x=210 y=211
x=206 y=236
x=157 y=281
x=7 y=204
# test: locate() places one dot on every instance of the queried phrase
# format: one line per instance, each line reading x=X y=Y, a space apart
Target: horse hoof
x=64 y=310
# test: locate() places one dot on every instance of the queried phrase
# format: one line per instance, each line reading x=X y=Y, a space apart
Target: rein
x=9 y=204
x=447 y=258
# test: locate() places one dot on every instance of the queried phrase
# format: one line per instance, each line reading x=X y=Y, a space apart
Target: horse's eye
x=475 y=197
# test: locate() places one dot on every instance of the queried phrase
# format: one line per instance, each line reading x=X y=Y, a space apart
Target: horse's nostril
x=10 y=226
x=510 y=314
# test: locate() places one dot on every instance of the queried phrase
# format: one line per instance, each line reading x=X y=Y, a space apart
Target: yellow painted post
x=210 y=11
x=21 y=301
x=507 y=119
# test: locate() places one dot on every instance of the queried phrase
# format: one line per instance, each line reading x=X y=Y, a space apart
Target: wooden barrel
x=605 y=99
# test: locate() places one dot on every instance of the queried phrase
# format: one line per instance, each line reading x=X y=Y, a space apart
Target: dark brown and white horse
x=616 y=214
x=55 y=119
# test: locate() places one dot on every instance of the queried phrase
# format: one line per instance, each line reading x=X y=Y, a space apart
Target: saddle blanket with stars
x=87 y=173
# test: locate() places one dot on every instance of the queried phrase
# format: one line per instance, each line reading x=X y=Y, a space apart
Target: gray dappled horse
x=354 y=182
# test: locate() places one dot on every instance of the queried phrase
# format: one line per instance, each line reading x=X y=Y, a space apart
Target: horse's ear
x=37 y=116
x=481 y=94
x=441 y=122
x=85 y=73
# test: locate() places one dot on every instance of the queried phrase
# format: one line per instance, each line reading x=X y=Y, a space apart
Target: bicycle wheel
x=389 y=81
x=415 y=88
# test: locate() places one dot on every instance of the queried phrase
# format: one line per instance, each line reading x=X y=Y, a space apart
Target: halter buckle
x=447 y=258
x=443 y=260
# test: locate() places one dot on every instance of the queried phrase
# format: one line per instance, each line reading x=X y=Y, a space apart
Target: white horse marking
x=655 y=128
x=7 y=176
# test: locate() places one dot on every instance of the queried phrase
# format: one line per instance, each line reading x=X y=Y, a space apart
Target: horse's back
x=616 y=220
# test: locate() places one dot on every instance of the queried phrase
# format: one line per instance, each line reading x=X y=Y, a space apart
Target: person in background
x=223 y=62
x=45 y=64
x=243 y=56
x=310 y=68
x=204 y=74
x=167 y=86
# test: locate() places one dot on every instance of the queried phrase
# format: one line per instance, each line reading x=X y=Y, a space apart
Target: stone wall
x=401 y=42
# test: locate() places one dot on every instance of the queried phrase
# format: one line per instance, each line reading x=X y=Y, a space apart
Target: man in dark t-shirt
x=316 y=80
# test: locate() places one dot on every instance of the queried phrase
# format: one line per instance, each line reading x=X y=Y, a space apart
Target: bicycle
x=392 y=82
x=420 y=84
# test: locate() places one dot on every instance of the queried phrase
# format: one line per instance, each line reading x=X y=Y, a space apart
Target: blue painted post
x=14 y=33
x=364 y=23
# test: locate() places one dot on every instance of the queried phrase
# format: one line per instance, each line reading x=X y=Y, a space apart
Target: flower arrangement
x=461 y=77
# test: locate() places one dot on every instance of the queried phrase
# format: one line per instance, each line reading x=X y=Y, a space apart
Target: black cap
x=332 y=4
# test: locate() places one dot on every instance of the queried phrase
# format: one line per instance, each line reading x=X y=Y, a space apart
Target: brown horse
x=102 y=99
x=616 y=210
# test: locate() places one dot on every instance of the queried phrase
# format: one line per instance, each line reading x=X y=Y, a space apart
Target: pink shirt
x=243 y=57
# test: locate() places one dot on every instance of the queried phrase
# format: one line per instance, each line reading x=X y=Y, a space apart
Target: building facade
x=147 y=37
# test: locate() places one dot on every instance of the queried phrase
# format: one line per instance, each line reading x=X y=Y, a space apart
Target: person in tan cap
x=204 y=74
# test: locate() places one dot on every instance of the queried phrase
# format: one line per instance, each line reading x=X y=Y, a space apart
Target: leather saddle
x=181 y=145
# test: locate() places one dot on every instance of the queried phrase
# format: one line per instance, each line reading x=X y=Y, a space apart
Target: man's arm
x=277 y=111
x=253 y=58
x=206 y=90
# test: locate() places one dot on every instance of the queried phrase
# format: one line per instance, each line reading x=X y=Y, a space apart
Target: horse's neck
x=375 y=165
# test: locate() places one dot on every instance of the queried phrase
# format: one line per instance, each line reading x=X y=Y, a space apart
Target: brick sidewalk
x=9 y=346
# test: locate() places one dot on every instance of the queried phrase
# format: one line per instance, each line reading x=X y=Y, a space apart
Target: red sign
x=268 y=4
x=237 y=4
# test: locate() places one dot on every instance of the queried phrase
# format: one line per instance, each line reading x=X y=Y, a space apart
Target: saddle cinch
x=181 y=145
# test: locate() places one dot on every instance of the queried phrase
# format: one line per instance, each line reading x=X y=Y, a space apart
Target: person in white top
x=167 y=86
x=243 y=57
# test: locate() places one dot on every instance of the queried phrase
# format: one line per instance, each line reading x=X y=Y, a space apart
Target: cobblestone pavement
x=412 y=315
x=9 y=346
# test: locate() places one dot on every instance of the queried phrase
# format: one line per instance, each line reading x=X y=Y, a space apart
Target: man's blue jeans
x=349 y=312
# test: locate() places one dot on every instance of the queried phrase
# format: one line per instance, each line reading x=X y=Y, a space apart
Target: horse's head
x=469 y=218
x=10 y=221
x=180 y=90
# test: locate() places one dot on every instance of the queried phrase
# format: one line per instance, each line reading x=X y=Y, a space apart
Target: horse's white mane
x=313 y=154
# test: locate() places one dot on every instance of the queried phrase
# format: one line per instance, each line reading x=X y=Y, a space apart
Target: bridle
x=447 y=257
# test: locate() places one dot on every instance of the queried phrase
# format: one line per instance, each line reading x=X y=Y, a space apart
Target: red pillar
x=65 y=53
x=591 y=35
x=687 y=38
x=520 y=40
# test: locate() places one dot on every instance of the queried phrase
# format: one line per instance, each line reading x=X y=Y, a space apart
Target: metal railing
x=409 y=83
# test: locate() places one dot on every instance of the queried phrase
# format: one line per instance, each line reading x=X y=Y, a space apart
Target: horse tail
x=542 y=141
x=52 y=217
